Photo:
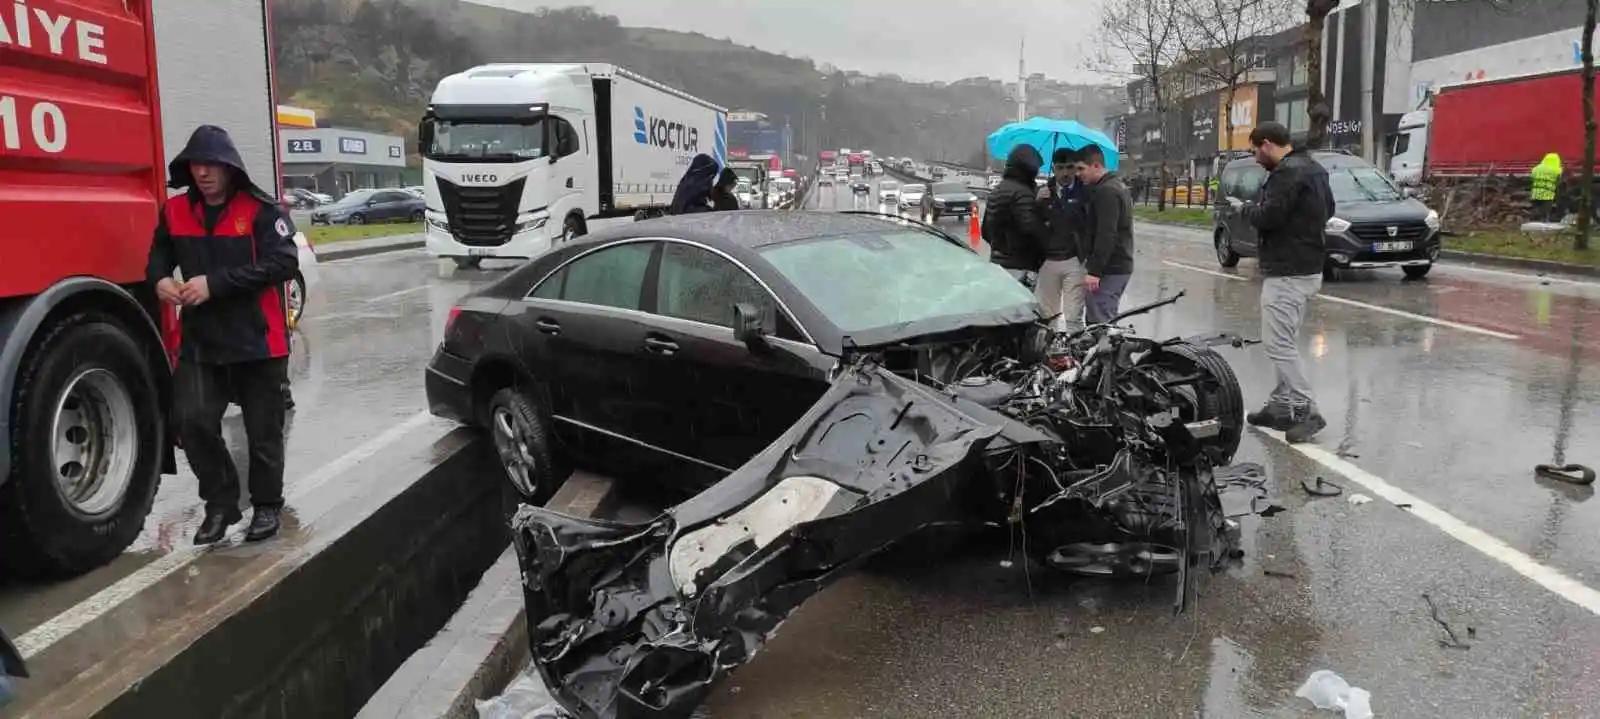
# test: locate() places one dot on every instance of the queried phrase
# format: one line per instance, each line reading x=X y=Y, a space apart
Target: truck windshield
x=1361 y=184
x=486 y=140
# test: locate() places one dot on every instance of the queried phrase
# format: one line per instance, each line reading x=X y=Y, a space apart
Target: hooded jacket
x=694 y=190
x=1292 y=216
x=244 y=248
x=722 y=197
x=1013 y=223
x=1546 y=177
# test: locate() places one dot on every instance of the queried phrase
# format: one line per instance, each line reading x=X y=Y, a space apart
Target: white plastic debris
x=1328 y=690
x=1358 y=498
x=525 y=698
x=1542 y=227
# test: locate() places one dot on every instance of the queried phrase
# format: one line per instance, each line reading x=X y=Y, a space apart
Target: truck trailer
x=1502 y=126
x=96 y=96
x=519 y=156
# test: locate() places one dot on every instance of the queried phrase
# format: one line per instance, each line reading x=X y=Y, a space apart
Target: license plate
x=478 y=252
x=1391 y=246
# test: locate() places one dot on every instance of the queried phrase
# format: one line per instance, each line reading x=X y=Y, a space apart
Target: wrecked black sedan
x=852 y=381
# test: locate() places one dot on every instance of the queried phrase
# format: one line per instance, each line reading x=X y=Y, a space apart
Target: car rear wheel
x=88 y=432
x=357 y=219
x=1417 y=272
x=1225 y=254
x=417 y=216
x=524 y=443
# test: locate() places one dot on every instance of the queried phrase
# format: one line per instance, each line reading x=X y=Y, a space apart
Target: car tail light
x=450 y=321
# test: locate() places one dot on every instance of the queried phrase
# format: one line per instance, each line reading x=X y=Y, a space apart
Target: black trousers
x=202 y=393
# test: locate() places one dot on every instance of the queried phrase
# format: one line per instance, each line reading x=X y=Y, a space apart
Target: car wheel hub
x=1224 y=248
x=511 y=443
x=94 y=441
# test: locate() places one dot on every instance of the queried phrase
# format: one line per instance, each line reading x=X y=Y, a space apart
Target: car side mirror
x=1411 y=192
x=749 y=326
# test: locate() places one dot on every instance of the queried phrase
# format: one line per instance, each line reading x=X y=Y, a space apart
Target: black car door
x=581 y=331
x=1246 y=186
x=733 y=401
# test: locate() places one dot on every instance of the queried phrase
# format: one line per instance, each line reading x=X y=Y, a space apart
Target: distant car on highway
x=368 y=206
x=949 y=199
x=861 y=187
x=889 y=191
x=911 y=195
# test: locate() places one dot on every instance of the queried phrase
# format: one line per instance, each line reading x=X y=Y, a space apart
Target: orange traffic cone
x=974 y=232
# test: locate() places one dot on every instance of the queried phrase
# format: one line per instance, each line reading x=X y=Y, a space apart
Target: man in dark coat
x=1061 y=277
x=722 y=197
x=694 y=190
x=1106 y=244
x=235 y=250
x=1290 y=220
x=1013 y=223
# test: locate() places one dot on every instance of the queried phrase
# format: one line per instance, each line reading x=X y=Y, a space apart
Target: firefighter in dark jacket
x=1290 y=219
x=235 y=251
x=1013 y=223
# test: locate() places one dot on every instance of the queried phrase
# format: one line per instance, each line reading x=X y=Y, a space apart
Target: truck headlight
x=1432 y=220
x=531 y=224
x=439 y=223
x=1336 y=225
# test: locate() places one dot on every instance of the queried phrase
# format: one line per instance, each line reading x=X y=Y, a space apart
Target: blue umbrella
x=1046 y=135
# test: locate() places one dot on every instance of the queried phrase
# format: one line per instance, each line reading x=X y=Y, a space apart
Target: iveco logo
x=480 y=179
x=1393 y=231
x=661 y=132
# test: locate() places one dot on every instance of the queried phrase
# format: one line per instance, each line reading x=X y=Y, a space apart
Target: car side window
x=391 y=197
x=566 y=138
x=612 y=277
x=699 y=285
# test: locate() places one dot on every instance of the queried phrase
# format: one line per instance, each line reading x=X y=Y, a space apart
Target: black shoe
x=215 y=526
x=263 y=525
x=1305 y=428
x=1272 y=416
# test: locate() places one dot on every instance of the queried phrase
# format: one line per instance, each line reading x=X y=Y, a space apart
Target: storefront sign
x=1344 y=127
x=352 y=146
x=1242 y=116
x=305 y=146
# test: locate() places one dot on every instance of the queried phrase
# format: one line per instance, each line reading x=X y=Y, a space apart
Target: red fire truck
x=95 y=97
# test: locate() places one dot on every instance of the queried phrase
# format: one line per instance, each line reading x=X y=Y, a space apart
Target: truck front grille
x=481 y=216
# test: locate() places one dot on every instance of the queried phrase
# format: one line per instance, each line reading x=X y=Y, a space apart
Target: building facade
x=337 y=160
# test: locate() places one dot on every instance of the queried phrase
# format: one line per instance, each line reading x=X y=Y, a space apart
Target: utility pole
x=1369 y=78
x=1022 y=79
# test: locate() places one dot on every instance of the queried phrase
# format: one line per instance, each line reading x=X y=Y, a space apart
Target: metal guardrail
x=980 y=190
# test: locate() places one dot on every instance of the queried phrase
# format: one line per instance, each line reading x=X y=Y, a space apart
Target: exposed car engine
x=1099 y=444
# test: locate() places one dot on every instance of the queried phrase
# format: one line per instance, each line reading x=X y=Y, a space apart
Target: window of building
x=1298 y=120
x=1299 y=74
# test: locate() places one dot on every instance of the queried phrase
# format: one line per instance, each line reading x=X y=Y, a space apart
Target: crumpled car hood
x=634 y=620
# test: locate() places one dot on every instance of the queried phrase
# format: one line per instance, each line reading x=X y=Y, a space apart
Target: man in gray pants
x=1106 y=243
x=1289 y=216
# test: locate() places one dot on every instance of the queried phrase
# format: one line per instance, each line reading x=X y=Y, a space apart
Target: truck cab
x=507 y=154
x=1408 y=147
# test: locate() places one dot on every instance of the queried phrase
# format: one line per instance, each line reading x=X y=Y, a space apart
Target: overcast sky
x=917 y=39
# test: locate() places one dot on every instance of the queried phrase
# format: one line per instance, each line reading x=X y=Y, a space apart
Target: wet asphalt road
x=1449 y=390
x=1424 y=393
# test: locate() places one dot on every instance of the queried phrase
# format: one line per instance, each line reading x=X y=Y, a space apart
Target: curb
x=364 y=248
x=485 y=644
x=1520 y=263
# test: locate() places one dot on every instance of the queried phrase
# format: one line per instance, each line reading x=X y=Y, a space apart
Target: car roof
x=751 y=229
x=1327 y=158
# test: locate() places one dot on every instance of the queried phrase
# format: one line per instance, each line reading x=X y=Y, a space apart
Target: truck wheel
x=571 y=228
x=87 y=435
x=526 y=447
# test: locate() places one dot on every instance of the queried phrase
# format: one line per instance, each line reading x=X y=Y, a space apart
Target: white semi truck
x=519 y=156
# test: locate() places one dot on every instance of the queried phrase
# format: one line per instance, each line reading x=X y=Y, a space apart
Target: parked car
x=911 y=195
x=889 y=191
x=303 y=199
x=619 y=349
x=1375 y=223
x=367 y=206
x=299 y=289
x=948 y=199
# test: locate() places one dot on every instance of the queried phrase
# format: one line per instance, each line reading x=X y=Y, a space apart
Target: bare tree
x=1586 y=190
x=1138 y=39
x=1222 y=39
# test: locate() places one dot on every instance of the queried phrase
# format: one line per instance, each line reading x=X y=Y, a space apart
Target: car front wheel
x=357 y=219
x=1225 y=254
x=524 y=443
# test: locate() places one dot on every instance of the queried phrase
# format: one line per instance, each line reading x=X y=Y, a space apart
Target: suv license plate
x=478 y=252
x=1391 y=246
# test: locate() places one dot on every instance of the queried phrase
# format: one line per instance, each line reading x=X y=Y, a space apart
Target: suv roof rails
x=902 y=218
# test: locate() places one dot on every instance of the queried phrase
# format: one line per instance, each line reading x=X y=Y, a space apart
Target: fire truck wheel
x=86 y=434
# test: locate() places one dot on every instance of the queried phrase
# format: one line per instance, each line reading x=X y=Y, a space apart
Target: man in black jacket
x=1013 y=225
x=1107 y=241
x=1061 y=277
x=1290 y=218
x=236 y=250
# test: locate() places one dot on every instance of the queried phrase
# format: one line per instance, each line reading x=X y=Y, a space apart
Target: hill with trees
x=371 y=64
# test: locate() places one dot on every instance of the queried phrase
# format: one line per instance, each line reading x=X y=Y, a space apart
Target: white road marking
x=1457 y=266
x=1543 y=575
x=81 y=614
x=1367 y=306
x=392 y=295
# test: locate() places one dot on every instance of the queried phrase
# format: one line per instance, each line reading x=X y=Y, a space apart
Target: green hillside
x=371 y=64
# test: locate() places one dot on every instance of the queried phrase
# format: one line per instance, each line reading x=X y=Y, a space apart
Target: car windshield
x=887 y=185
x=949 y=188
x=1361 y=184
x=493 y=141
x=893 y=278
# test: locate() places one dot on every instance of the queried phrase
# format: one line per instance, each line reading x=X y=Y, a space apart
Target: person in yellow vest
x=1546 y=175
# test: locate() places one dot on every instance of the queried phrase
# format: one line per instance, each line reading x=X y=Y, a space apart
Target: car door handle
x=660 y=345
x=548 y=326
x=569 y=182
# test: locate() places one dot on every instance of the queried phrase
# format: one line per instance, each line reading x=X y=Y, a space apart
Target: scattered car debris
x=525 y=698
x=1358 y=498
x=1327 y=690
x=1452 y=641
x=1570 y=473
x=1097 y=448
x=1323 y=488
x=1276 y=573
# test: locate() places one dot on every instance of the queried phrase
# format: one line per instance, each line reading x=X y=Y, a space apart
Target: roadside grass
x=1188 y=216
x=1552 y=246
x=322 y=234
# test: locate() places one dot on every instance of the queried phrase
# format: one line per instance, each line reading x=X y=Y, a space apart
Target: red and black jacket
x=246 y=251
